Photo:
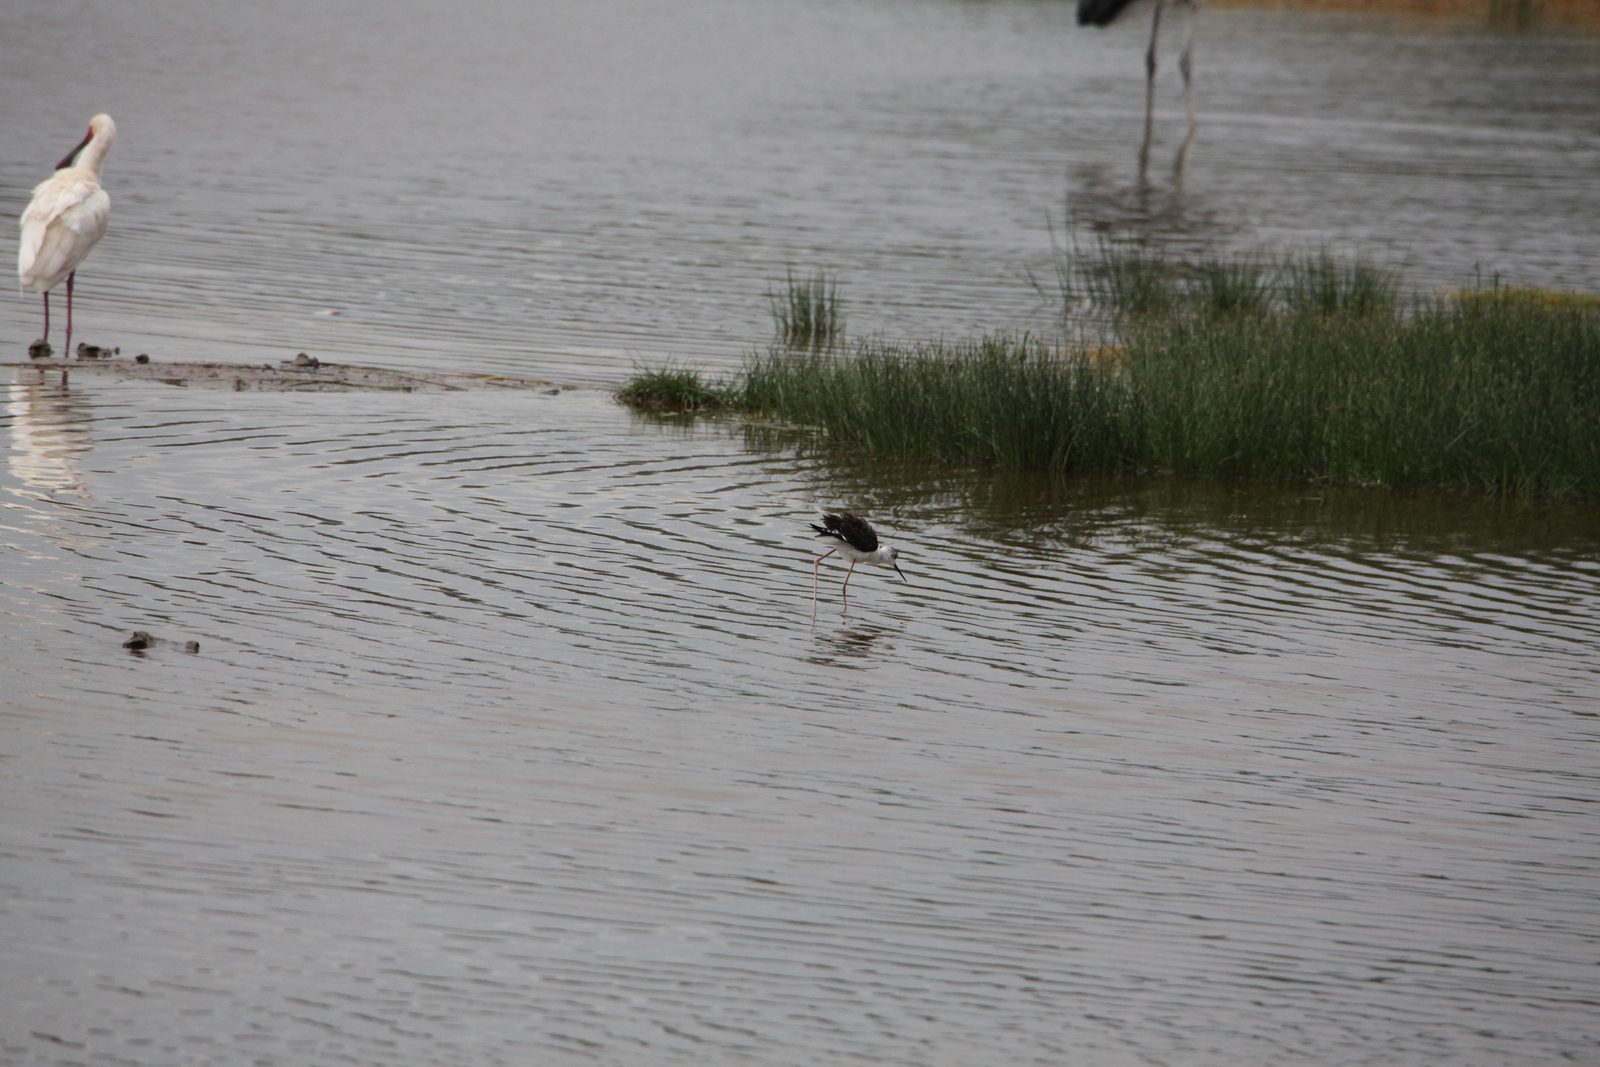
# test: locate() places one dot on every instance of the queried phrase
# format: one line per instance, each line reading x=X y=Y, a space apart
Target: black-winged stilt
x=857 y=542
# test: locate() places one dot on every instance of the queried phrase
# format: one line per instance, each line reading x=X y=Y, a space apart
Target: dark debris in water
x=140 y=640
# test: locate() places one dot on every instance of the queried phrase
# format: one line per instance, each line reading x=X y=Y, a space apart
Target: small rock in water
x=88 y=351
x=40 y=349
x=303 y=362
x=141 y=358
x=191 y=646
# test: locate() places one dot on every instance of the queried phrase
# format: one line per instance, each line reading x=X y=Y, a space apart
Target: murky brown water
x=510 y=739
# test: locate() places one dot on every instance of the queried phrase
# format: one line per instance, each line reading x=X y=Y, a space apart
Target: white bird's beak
x=66 y=160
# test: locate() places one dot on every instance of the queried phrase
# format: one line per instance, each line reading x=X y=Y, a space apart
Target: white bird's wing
x=66 y=218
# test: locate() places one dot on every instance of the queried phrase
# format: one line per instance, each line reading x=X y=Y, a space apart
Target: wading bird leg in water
x=844 y=590
x=1186 y=66
x=67 y=351
x=1150 y=92
x=814 y=567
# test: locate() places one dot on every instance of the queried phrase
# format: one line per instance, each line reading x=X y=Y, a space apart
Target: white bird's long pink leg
x=845 y=589
x=46 y=337
x=66 y=352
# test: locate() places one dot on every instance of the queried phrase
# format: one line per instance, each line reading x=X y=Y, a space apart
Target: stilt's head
x=890 y=555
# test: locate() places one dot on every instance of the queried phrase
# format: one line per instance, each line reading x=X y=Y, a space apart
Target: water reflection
x=50 y=432
x=1007 y=506
x=846 y=644
x=1101 y=201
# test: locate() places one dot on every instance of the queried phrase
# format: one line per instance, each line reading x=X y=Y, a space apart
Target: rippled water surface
x=511 y=740
x=514 y=735
x=559 y=188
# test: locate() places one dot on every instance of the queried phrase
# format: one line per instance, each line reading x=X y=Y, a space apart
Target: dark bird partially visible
x=1099 y=12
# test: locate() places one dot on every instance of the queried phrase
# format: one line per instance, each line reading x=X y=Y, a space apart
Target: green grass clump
x=1117 y=283
x=1303 y=369
x=808 y=313
x=1323 y=285
x=1500 y=396
x=1127 y=281
x=670 y=388
x=997 y=400
x=1223 y=288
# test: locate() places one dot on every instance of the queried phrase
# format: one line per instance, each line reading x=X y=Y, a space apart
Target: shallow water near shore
x=510 y=739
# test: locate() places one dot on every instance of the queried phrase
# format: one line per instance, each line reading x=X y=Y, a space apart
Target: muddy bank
x=301 y=374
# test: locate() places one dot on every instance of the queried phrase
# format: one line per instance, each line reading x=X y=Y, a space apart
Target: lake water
x=512 y=736
x=562 y=188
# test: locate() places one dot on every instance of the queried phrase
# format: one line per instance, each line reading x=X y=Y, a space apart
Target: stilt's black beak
x=901 y=573
x=66 y=160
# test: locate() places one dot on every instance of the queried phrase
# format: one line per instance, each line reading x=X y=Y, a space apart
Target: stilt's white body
x=853 y=555
x=66 y=218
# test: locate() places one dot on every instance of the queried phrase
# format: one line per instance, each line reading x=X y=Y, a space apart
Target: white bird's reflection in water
x=49 y=434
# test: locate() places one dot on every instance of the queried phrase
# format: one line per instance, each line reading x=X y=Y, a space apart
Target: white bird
x=65 y=219
x=857 y=542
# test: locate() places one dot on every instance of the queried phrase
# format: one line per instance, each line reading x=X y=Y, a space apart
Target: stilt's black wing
x=1100 y=12
x=851 y=529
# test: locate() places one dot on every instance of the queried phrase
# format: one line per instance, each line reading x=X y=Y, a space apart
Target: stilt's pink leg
x=814 y=567
x=68 y=350
x=846 y=588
